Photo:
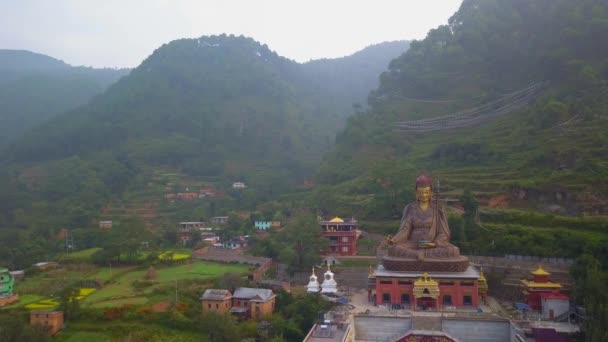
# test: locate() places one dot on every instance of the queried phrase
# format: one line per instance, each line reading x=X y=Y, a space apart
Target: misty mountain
x=555 y=144
x=223 y=107
x=35 y=88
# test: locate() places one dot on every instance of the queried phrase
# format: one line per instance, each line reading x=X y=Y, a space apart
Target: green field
x=121 y=288
x=79 y=256
x=122 y=331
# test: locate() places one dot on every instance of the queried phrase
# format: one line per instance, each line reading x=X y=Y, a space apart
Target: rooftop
x=540 y=271
x=215 y=294
x=470 y=273
x=338 y=220
x=250 y=293
x=326 y=333
x=548 y=284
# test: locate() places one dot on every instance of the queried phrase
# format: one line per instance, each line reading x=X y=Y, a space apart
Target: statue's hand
x=388 y=240
x=427 y=244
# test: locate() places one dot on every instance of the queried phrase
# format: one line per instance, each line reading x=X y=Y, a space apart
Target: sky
x=122 y=33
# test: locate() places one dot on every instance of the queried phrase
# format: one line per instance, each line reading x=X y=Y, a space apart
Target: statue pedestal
x=9 y=299
x=456 y=264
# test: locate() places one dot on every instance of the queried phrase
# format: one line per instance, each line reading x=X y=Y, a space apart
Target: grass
x=101 y=331
x=82 y=336
x=121 y=286
x=194 y=270
x=79 y=256
x=43 y=304
x=120 y=302
x=173 y=256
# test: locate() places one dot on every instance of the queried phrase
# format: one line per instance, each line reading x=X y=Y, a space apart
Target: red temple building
x=426 y=290
x=342 y=235
x=540 y=286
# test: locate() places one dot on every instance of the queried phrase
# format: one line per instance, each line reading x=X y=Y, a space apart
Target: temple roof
x=336 y=220
x=540 y=271
x=541 y=285
x=470 y=273
x=425 y=280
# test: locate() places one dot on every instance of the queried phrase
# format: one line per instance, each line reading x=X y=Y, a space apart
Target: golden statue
x=423 y=239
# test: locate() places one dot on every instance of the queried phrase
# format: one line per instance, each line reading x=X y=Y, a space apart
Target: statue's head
x=424 y=188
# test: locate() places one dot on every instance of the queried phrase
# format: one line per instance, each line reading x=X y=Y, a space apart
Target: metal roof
x=214 y=294
x=250 y=293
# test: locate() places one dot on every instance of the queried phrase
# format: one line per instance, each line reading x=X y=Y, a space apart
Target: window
x=466 y=283
x=386 y=298
x=217 y=306
x=467 y=300
x=209 y=306
x=345 y=239
x=405 y=298
x=447 y=300
x=446 y=283
x=405 y=282
x=345 y=249
x=386 y=282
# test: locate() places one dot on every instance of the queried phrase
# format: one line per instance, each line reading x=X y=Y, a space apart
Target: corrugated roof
x=249 y=293
x=214 y=294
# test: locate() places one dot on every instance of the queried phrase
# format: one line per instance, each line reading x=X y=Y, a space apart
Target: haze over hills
x=549 y=154
x=218 y=107
x=35 y=88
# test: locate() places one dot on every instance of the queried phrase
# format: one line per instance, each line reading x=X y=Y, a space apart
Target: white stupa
x=313 y=284
x=329 y=284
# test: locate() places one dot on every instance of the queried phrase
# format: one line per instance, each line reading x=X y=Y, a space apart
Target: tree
x=303 y=242
x=470 y=215
x=219 y=328
x=68 y=302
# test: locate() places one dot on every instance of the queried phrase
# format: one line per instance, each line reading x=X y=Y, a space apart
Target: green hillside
x=547 y=153
x=212 y=110
x=35 y=88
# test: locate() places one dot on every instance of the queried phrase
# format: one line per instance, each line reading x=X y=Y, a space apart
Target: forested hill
x=222 y=107
x=344 y=83
x=551 y=152
x=35 y=88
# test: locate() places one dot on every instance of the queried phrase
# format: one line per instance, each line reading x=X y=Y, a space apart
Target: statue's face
x=424 y=194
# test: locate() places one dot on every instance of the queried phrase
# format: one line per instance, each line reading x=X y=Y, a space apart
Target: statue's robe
x=417 y=225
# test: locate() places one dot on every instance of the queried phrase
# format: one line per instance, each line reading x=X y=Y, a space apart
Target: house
x=187 y=196
x=17 y=275
x=253 y=302
x=45 y=265
x=342 y=235
x=185 y=230
x=210 y=237
x=262 y=225
x=238 y=185
x=236 y=243
x=219 y=219
x=219 y=301
x=52 y=321
x=105 y=224
x=62 y=234
x=207 y=192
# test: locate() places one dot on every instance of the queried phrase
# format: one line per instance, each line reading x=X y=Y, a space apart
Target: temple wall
x=478 y=330
x=457 y=291
x=380 y=328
